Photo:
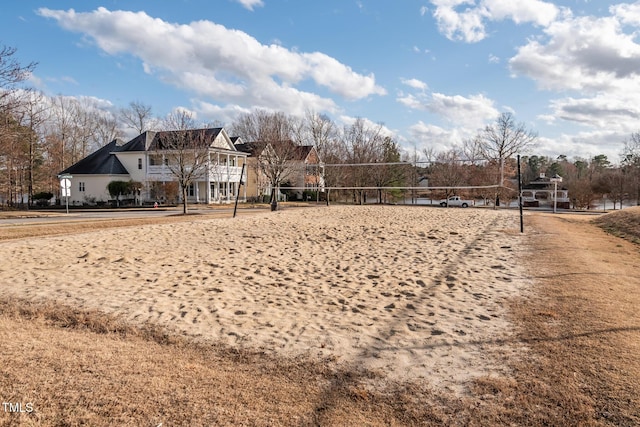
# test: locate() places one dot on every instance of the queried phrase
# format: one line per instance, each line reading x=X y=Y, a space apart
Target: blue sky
x=433 y=71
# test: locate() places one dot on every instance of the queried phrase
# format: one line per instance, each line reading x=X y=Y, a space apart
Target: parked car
x=456 y=201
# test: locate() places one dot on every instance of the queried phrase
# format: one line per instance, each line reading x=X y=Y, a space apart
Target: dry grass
x=624 y=223
x=581 y=327
x=86 y=368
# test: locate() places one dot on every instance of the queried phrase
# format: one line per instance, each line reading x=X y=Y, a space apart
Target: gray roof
x=100 y=162
x=150 y=140
x=298 y=152
x=244 y=147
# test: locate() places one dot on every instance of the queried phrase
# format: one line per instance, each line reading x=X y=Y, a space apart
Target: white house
x=540 y=192
x=145 y=161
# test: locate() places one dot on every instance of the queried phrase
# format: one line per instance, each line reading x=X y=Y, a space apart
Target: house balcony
x=216 y=173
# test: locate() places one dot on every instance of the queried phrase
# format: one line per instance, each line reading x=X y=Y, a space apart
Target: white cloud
x=416 y=49
x=583 y=145
x=68 y=79
x=598 y=59
x=534 y=11
x=214 y=113
x=413 y=102
x=463 y=116
x=384 y=131
x=340 y=78
x=467 y=25
x=250 y=4
x=415 y=83
x=35 y=81
x=471 y=112
x=466 y=19
x=627 y=13
x=430 y=136
x=227 y=65
x=604 y=111
x=580 y=54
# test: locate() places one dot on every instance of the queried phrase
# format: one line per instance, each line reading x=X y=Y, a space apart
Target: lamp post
x=555 y=179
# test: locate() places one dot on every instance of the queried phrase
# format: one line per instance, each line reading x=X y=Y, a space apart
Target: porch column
x=244 y=179
x=228 y=177
x=208 y=178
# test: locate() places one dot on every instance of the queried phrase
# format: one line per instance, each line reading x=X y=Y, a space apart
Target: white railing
x=217 y=173
x=224 y=173
x=159 y=173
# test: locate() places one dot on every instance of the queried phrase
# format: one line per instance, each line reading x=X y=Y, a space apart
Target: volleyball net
x=401 y=182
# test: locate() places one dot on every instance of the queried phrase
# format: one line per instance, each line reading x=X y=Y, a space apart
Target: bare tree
x=501 y=141
x=276 y=164
x=63 y=132
x=612 y=182
x=13 y=157
x=106 y=128
x=362 y=144
x=85 y=123
x=185 y=149
x=263 y=126
x=12 y=73
x=32 y=115
x=412 y=170
x=447 y=170
x=323 y=135
x=631 y=164
x=584 y=192
x=270 y=137
x=137 y=116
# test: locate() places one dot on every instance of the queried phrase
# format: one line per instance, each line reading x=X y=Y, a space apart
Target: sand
x=413 y=293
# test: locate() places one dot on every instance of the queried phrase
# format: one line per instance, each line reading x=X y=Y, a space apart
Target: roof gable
x=304 y=153
x=152 y=141
x=223 y=141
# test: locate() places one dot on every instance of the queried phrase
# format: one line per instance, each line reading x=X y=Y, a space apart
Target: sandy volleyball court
x=408 y=291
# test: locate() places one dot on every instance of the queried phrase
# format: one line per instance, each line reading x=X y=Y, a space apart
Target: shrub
x=43 y=195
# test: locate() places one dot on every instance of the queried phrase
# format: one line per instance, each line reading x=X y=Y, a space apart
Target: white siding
x=130 y=162
x=95 y=186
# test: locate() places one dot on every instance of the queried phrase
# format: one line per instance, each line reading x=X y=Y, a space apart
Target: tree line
x=41 y=136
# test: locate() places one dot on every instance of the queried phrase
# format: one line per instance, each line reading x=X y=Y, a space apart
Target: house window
x=81 y=186
x=139 y=164
x=191 y=190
